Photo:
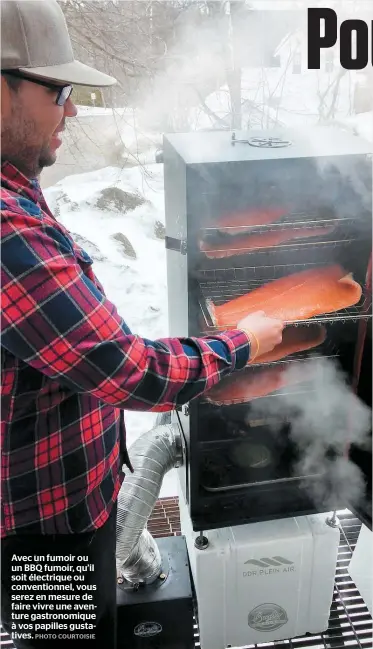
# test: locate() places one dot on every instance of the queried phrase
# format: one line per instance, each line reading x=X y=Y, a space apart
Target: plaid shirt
x=70 y=366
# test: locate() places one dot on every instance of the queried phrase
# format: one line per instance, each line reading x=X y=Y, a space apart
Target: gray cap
x=35 y=40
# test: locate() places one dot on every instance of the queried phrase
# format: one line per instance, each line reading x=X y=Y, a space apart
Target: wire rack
x=310 y=374
x=350 y=623
x=327 y=349
x=217 y=248
x=298 y=218
x=218 y=286
x=343 y=233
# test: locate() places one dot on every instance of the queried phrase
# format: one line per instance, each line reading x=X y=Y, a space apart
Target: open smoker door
x=363 y=385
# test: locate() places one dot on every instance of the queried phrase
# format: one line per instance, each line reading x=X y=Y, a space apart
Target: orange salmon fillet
x=241 y=222
x=258 y=241
x=250 y=384
x=294 y=339
x=292 y=298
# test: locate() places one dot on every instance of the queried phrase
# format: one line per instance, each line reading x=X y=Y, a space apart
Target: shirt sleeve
x=57 y=320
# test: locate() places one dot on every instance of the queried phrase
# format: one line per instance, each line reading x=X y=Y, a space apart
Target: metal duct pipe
x=152 y=456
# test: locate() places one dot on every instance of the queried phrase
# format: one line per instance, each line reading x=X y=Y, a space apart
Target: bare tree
x=125 y=39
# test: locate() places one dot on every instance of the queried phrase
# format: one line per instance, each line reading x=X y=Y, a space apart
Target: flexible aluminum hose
x=152 y=456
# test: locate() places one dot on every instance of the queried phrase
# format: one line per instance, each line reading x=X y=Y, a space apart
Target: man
x=70 y=365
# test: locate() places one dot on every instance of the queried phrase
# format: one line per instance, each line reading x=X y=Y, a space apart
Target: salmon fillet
x=292 y=298
x=258 y=241
x=242 y=222
x=249 y=384
x=294 y=339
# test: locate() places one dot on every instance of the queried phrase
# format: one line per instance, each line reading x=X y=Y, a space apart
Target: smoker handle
x=362 y=331
x=179 y=245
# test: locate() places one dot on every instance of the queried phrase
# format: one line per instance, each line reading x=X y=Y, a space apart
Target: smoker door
x=362 y=457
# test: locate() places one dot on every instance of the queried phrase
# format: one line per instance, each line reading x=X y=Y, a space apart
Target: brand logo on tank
x=147 y=629
x=267 y=617
x=265 y=562
x=268 y=566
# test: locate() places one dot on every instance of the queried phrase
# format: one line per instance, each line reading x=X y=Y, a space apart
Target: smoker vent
x=221 y=285
x=350 y=623
x=263 y=142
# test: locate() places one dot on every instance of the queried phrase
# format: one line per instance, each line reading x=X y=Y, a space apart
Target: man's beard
x=18 y=149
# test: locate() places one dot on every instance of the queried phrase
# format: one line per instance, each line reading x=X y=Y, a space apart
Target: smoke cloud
x=325 y=418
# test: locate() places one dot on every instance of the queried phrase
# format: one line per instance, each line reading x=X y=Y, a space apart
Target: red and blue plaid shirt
x=70 y=366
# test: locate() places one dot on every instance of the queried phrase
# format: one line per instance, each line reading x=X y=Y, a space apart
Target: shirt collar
x=14 y=180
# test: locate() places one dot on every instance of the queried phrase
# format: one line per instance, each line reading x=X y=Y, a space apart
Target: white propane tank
x=263 y=582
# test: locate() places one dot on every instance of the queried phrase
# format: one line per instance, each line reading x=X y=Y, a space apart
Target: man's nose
x=70 y=109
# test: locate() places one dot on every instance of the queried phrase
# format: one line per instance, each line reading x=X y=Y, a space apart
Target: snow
x=361 y=124
x=137 y=287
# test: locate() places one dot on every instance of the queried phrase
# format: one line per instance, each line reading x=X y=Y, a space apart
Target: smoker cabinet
x=242 y=462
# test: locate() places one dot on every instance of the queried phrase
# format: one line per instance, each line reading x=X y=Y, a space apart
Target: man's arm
x=55 y=319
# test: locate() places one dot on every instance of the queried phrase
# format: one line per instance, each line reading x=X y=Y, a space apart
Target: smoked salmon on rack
x=293 y=298
x=245 y=221
x=294 y=340
x=264 y=240
x=249 y=384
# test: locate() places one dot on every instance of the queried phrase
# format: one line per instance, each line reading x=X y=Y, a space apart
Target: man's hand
x=264 y=333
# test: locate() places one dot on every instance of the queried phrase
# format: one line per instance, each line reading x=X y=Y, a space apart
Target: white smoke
x=325 y=419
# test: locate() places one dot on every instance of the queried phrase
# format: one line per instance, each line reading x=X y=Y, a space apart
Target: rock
x=127 y=247
x=159 y=230
x=115 y=198
x=89 y=247
x=63 y=198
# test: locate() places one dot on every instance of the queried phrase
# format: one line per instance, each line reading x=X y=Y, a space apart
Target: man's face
x=31 y=125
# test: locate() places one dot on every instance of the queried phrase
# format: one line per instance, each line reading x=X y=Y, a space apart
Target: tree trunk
x=234 y=76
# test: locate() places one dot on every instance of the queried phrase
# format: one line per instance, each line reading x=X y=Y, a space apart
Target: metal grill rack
x=350 y=623
x=288 y=246
x=292 y=219
x=327 y=349
x=343 y=233
x=308 y=376
x=324 y=350
x=218 y=286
